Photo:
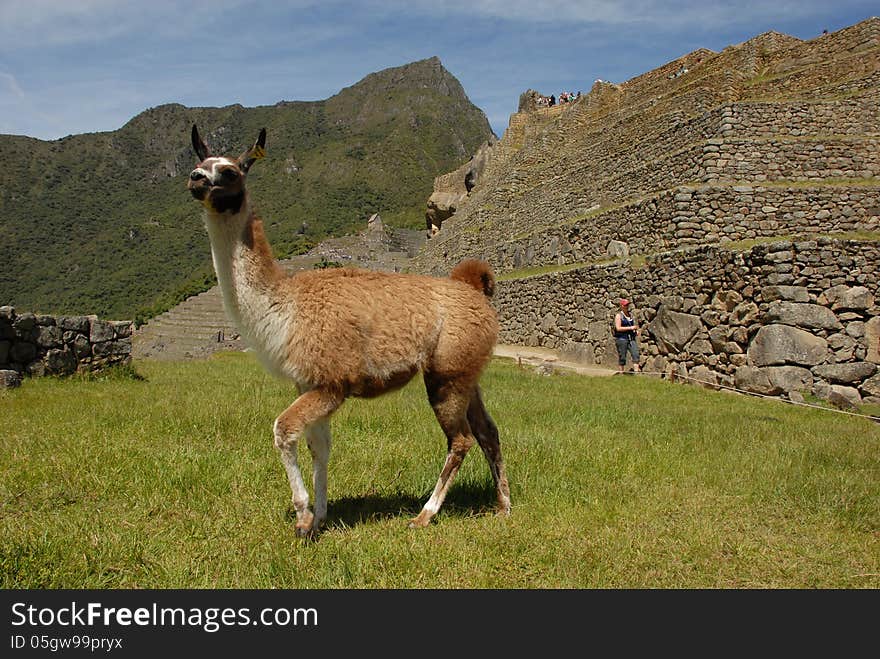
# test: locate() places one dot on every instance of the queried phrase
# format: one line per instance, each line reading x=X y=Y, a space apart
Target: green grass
x=169 y=480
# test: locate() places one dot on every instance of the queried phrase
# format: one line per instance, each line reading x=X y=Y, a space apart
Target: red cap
x=624 y=302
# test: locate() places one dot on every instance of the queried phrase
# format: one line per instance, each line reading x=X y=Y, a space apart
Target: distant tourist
x=551 y=101
x=681 y=71
x=626 y=333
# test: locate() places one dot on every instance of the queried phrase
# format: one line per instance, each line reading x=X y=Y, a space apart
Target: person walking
x=626 y=333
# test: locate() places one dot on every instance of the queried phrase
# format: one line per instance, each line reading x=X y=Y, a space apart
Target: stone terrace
x=625 y=144
x=644 y=189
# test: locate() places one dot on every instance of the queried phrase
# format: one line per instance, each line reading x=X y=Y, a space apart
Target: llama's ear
x=199 y=146
x=257 y=151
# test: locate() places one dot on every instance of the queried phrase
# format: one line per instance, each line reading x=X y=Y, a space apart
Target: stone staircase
x=196 y=327
x=199 y=327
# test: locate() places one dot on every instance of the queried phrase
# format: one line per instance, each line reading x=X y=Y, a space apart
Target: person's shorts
x=626 y=345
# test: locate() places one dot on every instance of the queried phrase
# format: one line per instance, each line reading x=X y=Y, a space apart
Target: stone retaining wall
x=776 y=319
x=544 y=190
x=753 y=119
x=676 y=218
x=858 y=70
x=39 y=345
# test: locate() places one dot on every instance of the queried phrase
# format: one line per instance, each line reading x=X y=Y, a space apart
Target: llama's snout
x=198 y=184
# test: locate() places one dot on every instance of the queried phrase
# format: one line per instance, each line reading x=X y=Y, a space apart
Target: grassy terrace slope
x=102 y=223
x=171 y=481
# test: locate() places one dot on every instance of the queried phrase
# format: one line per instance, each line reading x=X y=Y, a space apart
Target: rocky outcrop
x=451 y=189
x=441 y=206
x=478 y=164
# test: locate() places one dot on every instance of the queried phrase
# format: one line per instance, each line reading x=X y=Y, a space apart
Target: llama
x=343 y=332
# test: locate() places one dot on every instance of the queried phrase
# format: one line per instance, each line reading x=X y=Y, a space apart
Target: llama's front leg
x=318 y=439
x=310 y=410
x=287 y=444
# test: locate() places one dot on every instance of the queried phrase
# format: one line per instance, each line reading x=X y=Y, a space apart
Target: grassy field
x=170 y=480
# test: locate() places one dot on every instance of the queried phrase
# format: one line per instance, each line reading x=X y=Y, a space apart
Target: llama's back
x=363 y=329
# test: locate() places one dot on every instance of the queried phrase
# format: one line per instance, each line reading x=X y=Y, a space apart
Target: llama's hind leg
x=450 y=407
x=310 y=408
x=486 y=432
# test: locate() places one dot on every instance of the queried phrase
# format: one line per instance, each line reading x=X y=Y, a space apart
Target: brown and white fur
x=343 y=332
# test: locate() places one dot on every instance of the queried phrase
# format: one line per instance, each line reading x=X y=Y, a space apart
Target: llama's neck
x=247 y=273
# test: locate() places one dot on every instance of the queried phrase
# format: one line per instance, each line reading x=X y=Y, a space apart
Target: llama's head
x=218 y=181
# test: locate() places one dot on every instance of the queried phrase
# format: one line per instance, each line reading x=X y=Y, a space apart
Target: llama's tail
x=476 y=273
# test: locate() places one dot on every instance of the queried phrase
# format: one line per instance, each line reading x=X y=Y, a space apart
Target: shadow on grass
x=465 y=500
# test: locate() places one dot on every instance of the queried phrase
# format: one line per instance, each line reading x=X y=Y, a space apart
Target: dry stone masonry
x=37 y=345
x=781 y=318
x=738 y=204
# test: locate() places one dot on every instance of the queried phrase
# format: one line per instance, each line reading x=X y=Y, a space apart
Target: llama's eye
x=228 y=174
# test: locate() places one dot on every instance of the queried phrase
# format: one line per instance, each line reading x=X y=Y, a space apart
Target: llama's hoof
x=502 y=509
x=419 y=522
x=305 y=524
x=307 y=536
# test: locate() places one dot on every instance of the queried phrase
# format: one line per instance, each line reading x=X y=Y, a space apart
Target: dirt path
x=548 y=359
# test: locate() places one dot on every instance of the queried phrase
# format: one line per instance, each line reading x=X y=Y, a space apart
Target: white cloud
x=40 y=22
x=78 y=21
x=10 y=83
x=652 y=14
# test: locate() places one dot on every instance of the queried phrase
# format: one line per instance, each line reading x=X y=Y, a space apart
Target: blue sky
x=76 y=66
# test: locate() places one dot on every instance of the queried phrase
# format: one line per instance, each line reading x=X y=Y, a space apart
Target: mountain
x=102 y=222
